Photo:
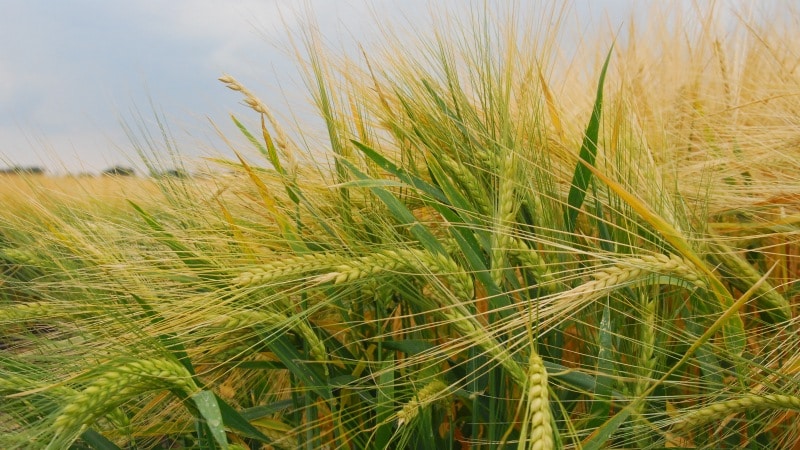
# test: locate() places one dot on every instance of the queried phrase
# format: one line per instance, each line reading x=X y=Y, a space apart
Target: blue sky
x=72 y=71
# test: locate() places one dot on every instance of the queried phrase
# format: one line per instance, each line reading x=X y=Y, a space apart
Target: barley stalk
x=718 y=411
x=29 y=311
x=537 y=431
x=258 y=106
x=422 y=399
x=468 y=181
x=270 y=320
x=21 y=256
x=646 y=365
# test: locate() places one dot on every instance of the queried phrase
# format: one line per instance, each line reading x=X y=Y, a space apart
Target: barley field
x=498 y=244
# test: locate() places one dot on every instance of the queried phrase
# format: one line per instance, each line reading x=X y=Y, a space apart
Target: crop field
x=498 y=245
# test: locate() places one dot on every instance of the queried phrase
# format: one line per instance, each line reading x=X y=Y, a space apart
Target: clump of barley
x=464 y=177
x=115 y=386
x=422 y=399
x=537 y=431
x=718 y=411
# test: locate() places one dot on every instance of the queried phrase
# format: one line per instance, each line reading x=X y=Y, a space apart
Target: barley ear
x=718 y=411
x=537 y=430
x=112 y=388
x=422 y=399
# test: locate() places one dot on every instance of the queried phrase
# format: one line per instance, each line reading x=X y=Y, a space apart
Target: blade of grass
x=586 y=158
x=385 y=404
x=206 y=403
x=97 y=441
x=236 y=421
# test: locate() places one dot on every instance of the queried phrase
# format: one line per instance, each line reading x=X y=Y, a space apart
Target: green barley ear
x=721 y=410
x=432 y=391
x=114 y=386
x=537 y=431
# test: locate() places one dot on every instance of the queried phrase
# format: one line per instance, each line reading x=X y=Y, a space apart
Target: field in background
x=495 y=247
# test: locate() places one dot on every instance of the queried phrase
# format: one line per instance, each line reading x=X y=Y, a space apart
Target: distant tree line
x=119 y=171
x=20 y=170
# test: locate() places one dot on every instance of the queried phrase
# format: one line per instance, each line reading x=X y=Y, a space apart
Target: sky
x=74 y=75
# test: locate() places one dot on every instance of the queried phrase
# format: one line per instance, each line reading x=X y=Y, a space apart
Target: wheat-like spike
x=17 y=383
x=505 y=213
x=767 y=296
x=537 y=427
x=12 y=383
x=258 y=106
x=288 y=267
x=671 y=264
x=648 y=360
x=636 y=267
x=427 y=395
x=420 y=261
x=29 y=311
x=114 y=387
x=21 y=256
x=718 y=411
x=464 y=177
x=532 y=260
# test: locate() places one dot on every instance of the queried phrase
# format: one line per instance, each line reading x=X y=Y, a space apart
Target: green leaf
x=600 y=436
x=97 y=441
x=588 y=153
x=409 y=346
x=601 y=403
x=236 y=421
x=385 y=404
x=206 y=403
x=293 y=361
x=401 y=174
x=258 y=412
x=370 y=183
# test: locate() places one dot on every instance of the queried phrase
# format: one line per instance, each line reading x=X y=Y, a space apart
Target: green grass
x=495 y=248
